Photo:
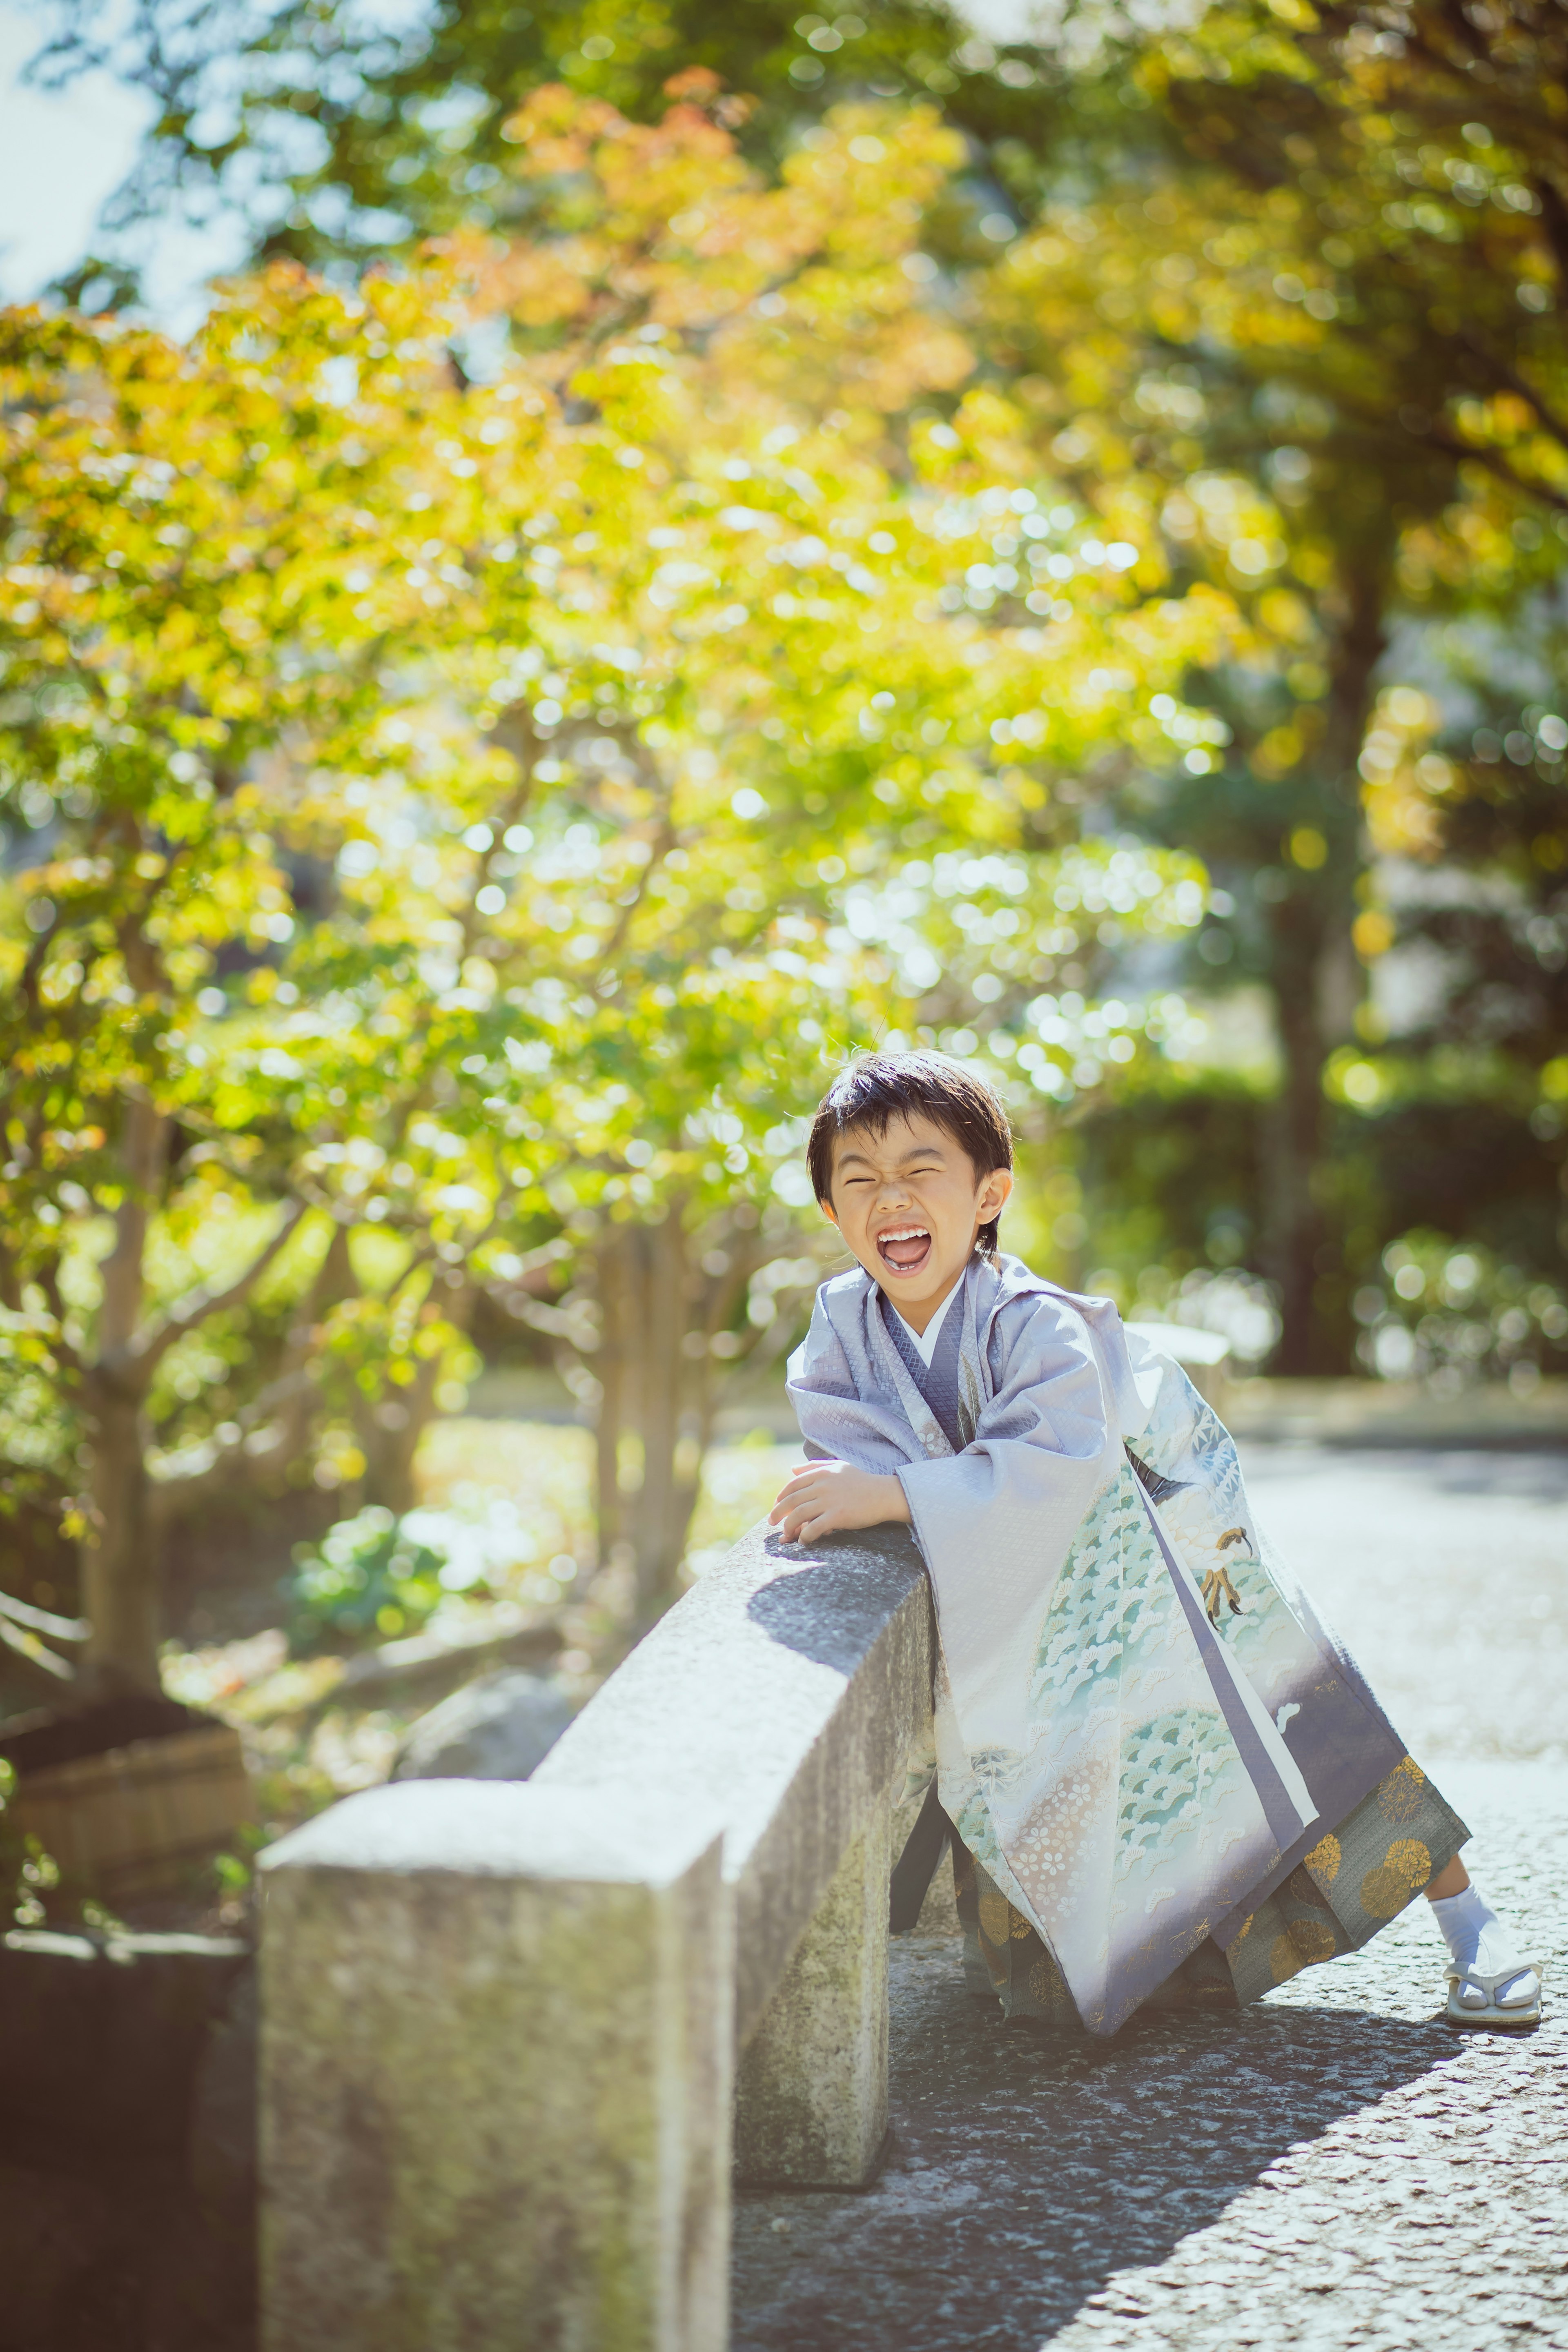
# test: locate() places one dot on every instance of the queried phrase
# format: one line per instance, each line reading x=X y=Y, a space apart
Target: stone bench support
x=810 y=2096
x=502 y=2022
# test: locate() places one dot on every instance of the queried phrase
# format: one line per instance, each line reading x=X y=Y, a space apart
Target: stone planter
x=127 y=2142
x=127 y=1797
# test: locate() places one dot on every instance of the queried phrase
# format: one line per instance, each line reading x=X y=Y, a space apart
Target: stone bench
x=517 y=2036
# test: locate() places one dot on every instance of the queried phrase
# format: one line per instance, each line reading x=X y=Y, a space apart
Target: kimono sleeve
x=996 y=1521
x=837 y=1421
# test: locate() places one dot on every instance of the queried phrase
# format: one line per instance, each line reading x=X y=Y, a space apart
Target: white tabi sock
x=1478 y=1939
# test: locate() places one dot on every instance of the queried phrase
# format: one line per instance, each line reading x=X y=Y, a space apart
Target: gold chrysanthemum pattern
x=1406 y=1867
x=1324 y=1859
x=1401 y=1794
x=996 y=1912
x=1304 y=1944
x=1044 y=1977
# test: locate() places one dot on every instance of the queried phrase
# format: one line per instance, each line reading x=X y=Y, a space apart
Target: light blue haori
x=1133 y=1778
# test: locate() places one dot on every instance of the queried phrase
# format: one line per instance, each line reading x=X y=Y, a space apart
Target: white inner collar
x=925 y=1341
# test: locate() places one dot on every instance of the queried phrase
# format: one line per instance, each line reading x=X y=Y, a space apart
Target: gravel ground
x=1333 y=2167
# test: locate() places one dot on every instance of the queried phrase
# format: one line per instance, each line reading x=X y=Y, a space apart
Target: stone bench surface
x=779 y=1697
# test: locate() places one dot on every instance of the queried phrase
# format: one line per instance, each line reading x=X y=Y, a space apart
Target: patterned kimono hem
x=1357 y=1878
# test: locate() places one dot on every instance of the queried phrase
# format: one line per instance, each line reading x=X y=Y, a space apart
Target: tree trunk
x=388 y=1434
x=613 y=1273
x=1315 y=982
x=1292 y=1144
x=664 y=1293
x=660 y=1520
x=389 y=1431
x=121 y=1571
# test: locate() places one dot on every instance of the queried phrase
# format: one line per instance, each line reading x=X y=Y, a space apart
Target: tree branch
x=1495 y=462
x=27 y=1647
x=48 y=1281
x=211 y=1464
x=1509 y=376
x=40 y=1621
x=151 y=1344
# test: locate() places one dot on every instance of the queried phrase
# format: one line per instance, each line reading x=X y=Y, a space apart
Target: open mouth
x=905 y=1249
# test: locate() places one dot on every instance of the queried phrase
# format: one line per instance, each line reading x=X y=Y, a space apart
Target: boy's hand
x=823 y=1496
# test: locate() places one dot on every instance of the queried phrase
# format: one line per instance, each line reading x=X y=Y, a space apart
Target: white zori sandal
x=1519 y=2007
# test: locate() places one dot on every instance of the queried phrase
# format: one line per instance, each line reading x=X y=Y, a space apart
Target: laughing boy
x=1169 y=1780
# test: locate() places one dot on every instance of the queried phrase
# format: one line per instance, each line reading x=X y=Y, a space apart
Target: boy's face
x=908 y=1203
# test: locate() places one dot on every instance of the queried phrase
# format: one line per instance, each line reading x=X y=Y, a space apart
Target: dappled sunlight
x=542 y=1469
x=740 y=1483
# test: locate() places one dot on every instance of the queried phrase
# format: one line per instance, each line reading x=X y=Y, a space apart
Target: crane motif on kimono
x=1217 y=1586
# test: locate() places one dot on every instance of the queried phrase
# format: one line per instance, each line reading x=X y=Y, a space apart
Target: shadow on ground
x=1331 y=2169
x=1025 y=2173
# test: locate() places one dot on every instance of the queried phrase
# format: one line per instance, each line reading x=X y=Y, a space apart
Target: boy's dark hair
x=880 y=1088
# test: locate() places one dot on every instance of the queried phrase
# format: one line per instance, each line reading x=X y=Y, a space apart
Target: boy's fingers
x=804 y=1524
x=807 y=1506
x=791 y=1500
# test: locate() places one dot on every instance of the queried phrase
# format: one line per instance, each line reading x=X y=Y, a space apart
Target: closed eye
x=927 y=1168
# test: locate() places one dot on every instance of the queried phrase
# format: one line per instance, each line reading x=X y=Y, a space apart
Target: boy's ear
x=995 y=1194
x=828 y=1211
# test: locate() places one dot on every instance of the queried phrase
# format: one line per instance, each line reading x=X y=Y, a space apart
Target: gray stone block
x=499 y=1728
x=496 y=2070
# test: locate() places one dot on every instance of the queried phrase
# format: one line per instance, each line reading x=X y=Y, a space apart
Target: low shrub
x=370 y=1577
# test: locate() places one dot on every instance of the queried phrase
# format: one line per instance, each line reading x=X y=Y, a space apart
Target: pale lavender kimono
x=1134 y=1778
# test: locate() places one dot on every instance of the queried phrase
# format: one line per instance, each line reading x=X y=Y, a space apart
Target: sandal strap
x=1488 y=1984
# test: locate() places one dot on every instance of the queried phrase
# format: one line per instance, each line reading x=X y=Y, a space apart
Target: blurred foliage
x=1283 y=280
x=1449 y=1315
x=438 y=1569
x=369 y=1575
x=440 y=799
x=832 y=529
x=344 y=138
